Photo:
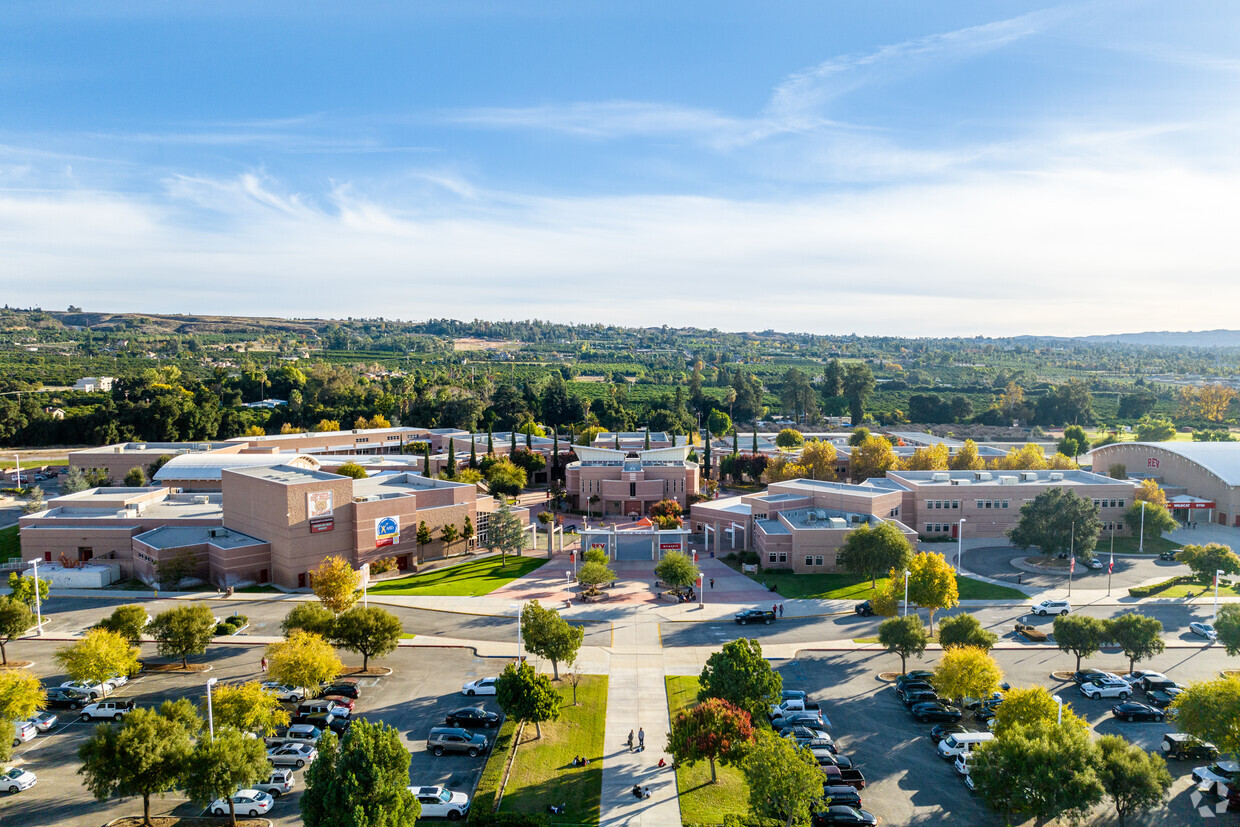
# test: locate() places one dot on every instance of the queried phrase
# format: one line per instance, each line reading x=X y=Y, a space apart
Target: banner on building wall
x=599 y=546
x=670 y=546
x=322 y=524
x=387 y=531
x=318 y=504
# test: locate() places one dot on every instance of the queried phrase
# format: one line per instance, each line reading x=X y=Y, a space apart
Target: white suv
x=1106 y=689
x=1051 y=607
x=107 y=709
x=440 y=803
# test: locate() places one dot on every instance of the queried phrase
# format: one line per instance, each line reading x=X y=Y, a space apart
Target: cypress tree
x=426 y=461
x=617 y=440
x=527 y=435
x=473 y=452
x=707 y=464
x=755 y=440
x=451 y=458
x=647 y=437
x=490 y=440
x=512 y=448
x=555 y=455
x=735 y=449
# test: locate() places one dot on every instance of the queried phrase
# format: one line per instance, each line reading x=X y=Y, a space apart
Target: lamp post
x=210 y=713
x=517 y=606
x=1217 y=574
x=906 y=574
x=1111 y=566
x=1059 y=701
x=960 y=544
x=38 y=609
x=1071 y=557
x=1141 y=536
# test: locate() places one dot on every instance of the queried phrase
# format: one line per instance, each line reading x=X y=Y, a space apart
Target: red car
x=340 y=701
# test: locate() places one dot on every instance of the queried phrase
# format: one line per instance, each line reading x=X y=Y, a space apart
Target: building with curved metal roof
x=1202 y=479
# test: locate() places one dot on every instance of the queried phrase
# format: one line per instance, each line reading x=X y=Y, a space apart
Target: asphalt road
x=908 y=784
x=424 y=687
x=1129 y=570
x=72 y=614
x=1175 y=620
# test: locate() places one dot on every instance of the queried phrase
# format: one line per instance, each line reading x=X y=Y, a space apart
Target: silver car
x=291 y=755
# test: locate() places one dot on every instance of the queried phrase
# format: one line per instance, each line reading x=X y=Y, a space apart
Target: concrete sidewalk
x=637 y=699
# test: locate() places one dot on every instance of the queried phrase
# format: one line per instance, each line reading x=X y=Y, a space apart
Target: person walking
x=264 y=662
x=630 y=740
x=781 y=609
x=641 y=739
x=712 y=582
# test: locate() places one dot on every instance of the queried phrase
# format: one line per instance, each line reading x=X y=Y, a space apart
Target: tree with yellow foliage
x=254 y=430
x=326 y=426
x=1028 y=457
x=335 y=583
x=819 y=458
x=932 y=583
x=967 y=458
x=929 y=458
x=872 y=458
x=1209 y=402
x=1148 y=491
x=781 y=468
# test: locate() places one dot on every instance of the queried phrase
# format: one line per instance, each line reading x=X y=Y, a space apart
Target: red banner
x=669 y=546
x=1173 y=504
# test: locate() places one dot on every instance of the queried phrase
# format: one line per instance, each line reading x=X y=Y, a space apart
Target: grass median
x=543 y=772
x=853 y=587
x=702 y=802
x=1185 y=586
x=10 y=542
x=473 y=579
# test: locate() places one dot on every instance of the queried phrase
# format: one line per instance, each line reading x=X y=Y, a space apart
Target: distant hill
x=1157 y=338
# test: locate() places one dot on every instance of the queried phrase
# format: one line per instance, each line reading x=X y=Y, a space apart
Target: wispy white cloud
x=990 y=253
x=606 y=119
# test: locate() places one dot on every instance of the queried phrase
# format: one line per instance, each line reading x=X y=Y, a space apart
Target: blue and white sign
x=387 y=531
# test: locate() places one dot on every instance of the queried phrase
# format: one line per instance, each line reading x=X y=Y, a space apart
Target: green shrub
x=224 y=630
x=382 y=566
x=237 y=620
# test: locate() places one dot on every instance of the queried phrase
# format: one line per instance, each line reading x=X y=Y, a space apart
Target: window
x=979 y=503
x=1005 y=503
x=1121 y=503
x=783 y=557
x=988 y=503
x=632 y=489
x=362 y=439
x=770 y=558
x=809 y=561
x=955 y=503
x=1119 y=526
x=1097 y=503
x=818 y=560
x=895 y=512
x=929 y=527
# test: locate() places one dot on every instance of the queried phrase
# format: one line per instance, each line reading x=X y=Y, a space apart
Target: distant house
x=267 y=403
x=54 y=413
x=94 y=383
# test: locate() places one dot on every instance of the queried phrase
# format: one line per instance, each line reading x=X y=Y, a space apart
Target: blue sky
x=883 y=167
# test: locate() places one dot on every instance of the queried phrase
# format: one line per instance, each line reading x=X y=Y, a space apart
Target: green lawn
x=852 y=587
x=1129 y=545
x=702 y=802
x=472 y=579
x=543 y=772
x=10 y=543
x=1186 y=586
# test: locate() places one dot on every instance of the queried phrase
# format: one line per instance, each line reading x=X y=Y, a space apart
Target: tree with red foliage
x=714 y=730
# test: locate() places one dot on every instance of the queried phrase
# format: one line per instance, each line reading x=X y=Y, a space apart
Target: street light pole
x=1111 y=567
x=1141 y=537
x=1071 y=557
x=38 y=608
x=906 y=574
x=960 y=544
x=210 y=713
x=517 y=606
x=1217 y=574
x=1059 y=701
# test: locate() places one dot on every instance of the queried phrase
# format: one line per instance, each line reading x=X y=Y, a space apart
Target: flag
x=1072 y=566
x=1111 y=567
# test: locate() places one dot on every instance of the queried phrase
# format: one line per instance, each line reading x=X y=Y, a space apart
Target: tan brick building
x=1201 y=479
x=627 y=483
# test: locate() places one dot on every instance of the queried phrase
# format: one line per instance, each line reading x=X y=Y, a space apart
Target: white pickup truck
x=792 y=705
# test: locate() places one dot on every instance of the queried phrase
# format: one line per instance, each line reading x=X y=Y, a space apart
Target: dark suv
x=324 y=721
x=1180 y=745
x=472 y=717
x=755 y=616
x=453 y=739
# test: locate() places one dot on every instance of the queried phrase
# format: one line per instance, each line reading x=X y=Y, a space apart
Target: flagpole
x=1071 y=557
x=1111 y=567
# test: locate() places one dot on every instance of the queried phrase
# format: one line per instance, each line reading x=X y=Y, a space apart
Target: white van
x=961 y=743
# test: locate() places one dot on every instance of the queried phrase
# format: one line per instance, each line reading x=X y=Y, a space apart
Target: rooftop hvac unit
x=1028 y=476
x=981 y=476
x=962 y=482
x=838 y=522
x=1056 y=476
x=201 y=499
x=124 y=512
x=1007 y=480
x=215 y=532
x=856 y=518
x=941 y=476
x=822 y=515
x=141 y=446
x=811 y=517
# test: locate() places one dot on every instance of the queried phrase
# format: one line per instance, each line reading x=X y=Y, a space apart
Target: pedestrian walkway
x=637 y=699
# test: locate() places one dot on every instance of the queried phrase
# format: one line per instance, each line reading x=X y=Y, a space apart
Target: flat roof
x=924 y=439
x=180 y=536
x=180 y=507
x=1222 y=459
x=154 y=447
x=401 y=484
x=811 y=518
x=314 y=434
x=209 y=467
x=824 y=485
x=1019 y=477
x=287 y=474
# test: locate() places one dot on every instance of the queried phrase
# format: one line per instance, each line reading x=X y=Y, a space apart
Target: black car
x=841 y=814
x=324 y=721
x=984 y=714
x=344 y=689
x=1162 y=700
x=941 y=731
x=1137 y=712
x=916 y=675
x=913 y=686
x=1160 y=685
x=927 y=712
x=865 y=608
x=68 y=698
x=830 y=758
x=920 y=696
x=472 y=717
x=755 y=616
x=807 y=718
x=1169 y=556
x=808 y=737
x=841 y=794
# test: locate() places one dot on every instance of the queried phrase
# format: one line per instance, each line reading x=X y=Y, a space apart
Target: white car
x=107 y=709
x=23 y=731
x=116 y=680
x=1142 y=679
x=1219 y=773
x=93 y=691
x=291 y=755
x=963 y=762
x=43 y=721
x=296 y=734
x=278 y=783
x=16 y=780
x=440 y=803
x=284 y=692
x=245 y=803
x=482 y=686
x=1094 y=563
x=1206 y=630
x=1106 y=689
x=1051 y=607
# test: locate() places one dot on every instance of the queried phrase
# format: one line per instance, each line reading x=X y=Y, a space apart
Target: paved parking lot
x=908 y=784
x=425 y=685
